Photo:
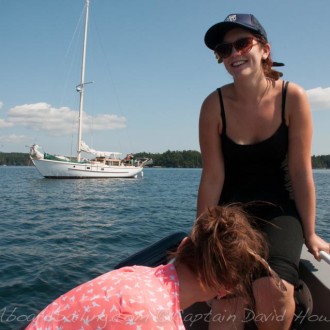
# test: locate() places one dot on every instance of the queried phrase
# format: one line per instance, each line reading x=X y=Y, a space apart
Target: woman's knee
x=274 y=306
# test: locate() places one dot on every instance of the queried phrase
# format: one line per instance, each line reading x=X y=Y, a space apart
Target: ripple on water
x=56 y=234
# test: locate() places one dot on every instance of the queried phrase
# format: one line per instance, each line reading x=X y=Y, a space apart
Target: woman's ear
x=266 y=50
x=183 y=242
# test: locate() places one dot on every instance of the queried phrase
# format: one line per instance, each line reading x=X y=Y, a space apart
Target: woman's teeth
x=238 y=63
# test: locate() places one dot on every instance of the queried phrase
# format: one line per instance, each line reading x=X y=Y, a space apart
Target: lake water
x=56 y=234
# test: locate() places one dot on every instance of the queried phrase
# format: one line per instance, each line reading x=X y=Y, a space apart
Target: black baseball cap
x=216 y=33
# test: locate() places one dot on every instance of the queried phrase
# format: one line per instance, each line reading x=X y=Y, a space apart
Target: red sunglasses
x=243 y=45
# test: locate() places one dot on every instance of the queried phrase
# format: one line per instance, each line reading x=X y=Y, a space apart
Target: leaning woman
x=221 y=256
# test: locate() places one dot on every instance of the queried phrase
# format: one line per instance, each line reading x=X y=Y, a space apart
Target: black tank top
x=257 y=172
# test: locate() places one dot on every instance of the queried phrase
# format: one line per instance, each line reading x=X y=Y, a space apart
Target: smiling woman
x=263 y=156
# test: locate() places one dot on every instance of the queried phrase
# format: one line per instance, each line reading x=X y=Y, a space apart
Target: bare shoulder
x=211 y=103
x=296 y=92
x=210 y=110
x=210 y=115
x=297 y=105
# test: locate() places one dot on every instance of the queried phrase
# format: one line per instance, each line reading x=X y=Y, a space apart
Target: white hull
x=66 y=170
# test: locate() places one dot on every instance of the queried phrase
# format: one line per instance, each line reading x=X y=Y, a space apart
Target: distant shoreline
x=168 y=159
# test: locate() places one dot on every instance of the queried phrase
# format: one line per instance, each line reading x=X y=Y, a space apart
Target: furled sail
x=85 y=148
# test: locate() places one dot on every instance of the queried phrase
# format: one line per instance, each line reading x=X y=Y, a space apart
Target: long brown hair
x=225 y=250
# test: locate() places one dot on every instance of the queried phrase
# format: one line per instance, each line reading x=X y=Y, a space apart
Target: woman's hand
x=315 y=244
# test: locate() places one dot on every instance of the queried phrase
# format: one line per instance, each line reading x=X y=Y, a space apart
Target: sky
x=148 y=68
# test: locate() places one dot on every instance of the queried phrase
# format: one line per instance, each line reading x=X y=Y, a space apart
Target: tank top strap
x=222 y=109
x=284 y=92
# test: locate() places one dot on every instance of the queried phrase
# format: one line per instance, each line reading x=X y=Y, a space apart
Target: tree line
x=322 y=161
x=179 y=159
x=174 y=159
x=15 y=159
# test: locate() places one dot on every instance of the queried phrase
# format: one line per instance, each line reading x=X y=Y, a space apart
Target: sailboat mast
x=82 y=83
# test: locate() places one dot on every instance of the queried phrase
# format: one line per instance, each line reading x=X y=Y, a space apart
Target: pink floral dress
x=128 y=298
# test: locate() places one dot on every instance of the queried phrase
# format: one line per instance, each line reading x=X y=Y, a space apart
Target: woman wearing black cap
x=255 y=138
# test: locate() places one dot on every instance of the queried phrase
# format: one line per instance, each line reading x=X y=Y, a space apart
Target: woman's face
x=242 y=63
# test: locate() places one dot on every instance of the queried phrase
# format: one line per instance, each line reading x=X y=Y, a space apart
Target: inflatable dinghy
x=312 y=295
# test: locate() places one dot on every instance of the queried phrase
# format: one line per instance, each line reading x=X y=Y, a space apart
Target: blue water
x=56 y=234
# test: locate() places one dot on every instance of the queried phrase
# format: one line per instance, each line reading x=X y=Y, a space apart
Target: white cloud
x=60 y=121
x=4 y=124
x=104 y=122
x=13 y=138
x=319 y=98
x=1 y=104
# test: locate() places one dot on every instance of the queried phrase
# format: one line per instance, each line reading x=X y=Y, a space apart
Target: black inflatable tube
x=155 y=254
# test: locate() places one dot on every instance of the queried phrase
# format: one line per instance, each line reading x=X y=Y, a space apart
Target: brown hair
x=268 y=62
x=225 y=250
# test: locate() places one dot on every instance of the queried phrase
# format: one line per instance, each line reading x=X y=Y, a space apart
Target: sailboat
x=104 y=164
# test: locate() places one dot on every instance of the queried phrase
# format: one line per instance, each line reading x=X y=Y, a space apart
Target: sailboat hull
x=71 y=170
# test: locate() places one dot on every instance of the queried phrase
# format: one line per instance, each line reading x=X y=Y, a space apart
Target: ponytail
x=268 y=63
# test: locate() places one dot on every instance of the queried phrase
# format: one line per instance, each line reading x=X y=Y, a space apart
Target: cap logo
x=231 y=18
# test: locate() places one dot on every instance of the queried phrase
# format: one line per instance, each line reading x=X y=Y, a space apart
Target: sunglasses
x=243 y=45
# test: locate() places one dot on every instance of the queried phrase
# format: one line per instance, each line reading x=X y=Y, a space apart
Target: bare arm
x=300 y=167
x=213 y=166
